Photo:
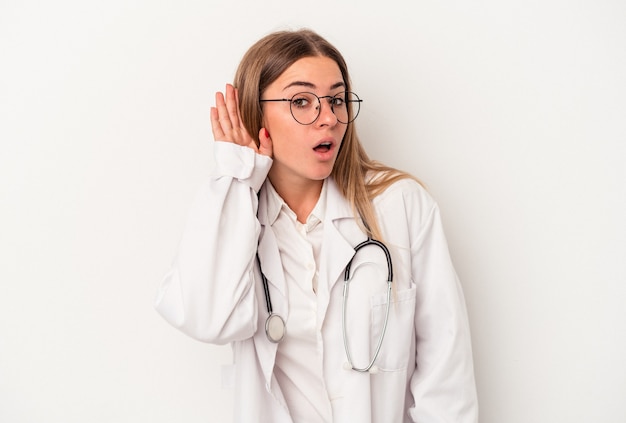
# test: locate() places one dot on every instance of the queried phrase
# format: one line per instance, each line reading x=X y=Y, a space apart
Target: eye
x=339 y=100
x=301 y=101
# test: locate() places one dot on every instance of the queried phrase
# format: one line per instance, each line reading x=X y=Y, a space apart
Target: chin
x=320 y=176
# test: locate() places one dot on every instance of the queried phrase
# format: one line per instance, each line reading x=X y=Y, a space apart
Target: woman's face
x=304 y=153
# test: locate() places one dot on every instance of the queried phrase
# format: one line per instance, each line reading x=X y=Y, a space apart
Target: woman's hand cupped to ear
x=227 y=126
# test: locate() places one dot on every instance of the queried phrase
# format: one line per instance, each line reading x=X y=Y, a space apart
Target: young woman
x=322 y=328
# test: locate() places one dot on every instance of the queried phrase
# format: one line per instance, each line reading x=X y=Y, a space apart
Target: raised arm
x=208 y=292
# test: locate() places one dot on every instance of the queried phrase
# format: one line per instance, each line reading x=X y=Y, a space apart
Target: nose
x=326 y=116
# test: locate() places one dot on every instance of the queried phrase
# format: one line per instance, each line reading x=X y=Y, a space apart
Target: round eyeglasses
x=306 y=107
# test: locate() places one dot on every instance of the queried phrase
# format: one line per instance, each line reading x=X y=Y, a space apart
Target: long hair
x=358 y=178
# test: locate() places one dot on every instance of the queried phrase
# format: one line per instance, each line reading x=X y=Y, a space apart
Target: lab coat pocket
x=394 y=352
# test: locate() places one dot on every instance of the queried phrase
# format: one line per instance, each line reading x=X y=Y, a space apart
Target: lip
x=325 y=153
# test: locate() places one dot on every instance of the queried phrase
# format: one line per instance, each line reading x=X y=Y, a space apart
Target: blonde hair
x=359 y=178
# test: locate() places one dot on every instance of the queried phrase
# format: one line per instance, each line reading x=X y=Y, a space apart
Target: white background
x=512 y=112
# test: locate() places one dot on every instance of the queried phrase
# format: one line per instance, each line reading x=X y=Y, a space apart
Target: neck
x=300 y=197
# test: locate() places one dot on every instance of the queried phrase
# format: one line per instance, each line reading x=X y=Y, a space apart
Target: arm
x=443 y=384
x=208 y=293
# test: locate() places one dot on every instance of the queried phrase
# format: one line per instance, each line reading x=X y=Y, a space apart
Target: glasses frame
x=319 y=101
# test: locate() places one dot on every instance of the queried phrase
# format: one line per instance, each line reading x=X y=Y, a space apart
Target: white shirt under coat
x=214 y=293
x=299 y=359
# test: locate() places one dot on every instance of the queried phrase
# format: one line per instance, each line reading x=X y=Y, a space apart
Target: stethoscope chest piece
x=274 y=324
x=275 y=328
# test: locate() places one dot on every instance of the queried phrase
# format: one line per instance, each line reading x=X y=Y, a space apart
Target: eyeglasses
x=306 y=107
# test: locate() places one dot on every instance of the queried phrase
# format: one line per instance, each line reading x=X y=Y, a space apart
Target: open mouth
x=323 y=147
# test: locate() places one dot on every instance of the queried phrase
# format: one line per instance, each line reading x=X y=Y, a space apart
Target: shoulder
x=405 y=209
x=408 y=193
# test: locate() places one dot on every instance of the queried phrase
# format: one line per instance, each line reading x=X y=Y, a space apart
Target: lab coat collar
x=341 y=234
x=272 y=268
x=268 y=248
x=337 y=207
x=273 y=203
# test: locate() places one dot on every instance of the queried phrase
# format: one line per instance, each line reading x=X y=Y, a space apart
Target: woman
x=273 y=231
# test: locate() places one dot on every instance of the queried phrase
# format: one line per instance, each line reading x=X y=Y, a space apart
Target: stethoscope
x=275 y=325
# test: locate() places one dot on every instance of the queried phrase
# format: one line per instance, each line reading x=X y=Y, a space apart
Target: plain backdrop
x=512 y=113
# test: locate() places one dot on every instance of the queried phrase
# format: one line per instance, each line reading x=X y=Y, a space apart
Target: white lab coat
x=214 y=293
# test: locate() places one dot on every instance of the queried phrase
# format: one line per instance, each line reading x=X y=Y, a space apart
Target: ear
x=265 y=142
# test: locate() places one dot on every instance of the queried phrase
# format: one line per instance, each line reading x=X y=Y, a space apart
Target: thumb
x=265 y=143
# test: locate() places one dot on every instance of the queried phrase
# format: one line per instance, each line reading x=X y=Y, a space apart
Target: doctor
x=272 y=231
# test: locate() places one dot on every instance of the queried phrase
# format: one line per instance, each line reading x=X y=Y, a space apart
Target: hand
x=227 y=126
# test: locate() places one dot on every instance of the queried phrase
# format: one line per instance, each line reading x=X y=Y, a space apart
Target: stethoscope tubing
x=371 y=241
x=344 y=306
x=379 y=344
x=275 y=327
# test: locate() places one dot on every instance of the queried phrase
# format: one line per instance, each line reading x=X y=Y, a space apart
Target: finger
x=222 y=112
x=216 y=128
x=232 y=106
x=238 y=109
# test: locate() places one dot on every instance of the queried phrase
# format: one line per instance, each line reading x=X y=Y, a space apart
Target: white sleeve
x=208 y=293
x=443 y=384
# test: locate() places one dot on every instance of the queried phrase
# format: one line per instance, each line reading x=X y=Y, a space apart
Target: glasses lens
x=305 y=107
x=346 y=106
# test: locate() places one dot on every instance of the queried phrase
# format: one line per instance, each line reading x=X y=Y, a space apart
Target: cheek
x=342 y=136
x=342 y=146
x=278 y=125
x=344 y=131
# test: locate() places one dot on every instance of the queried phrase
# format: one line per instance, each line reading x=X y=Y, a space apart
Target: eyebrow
x=311 y=85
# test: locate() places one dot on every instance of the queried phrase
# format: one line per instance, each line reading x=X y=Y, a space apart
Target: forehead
x=313 y=72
